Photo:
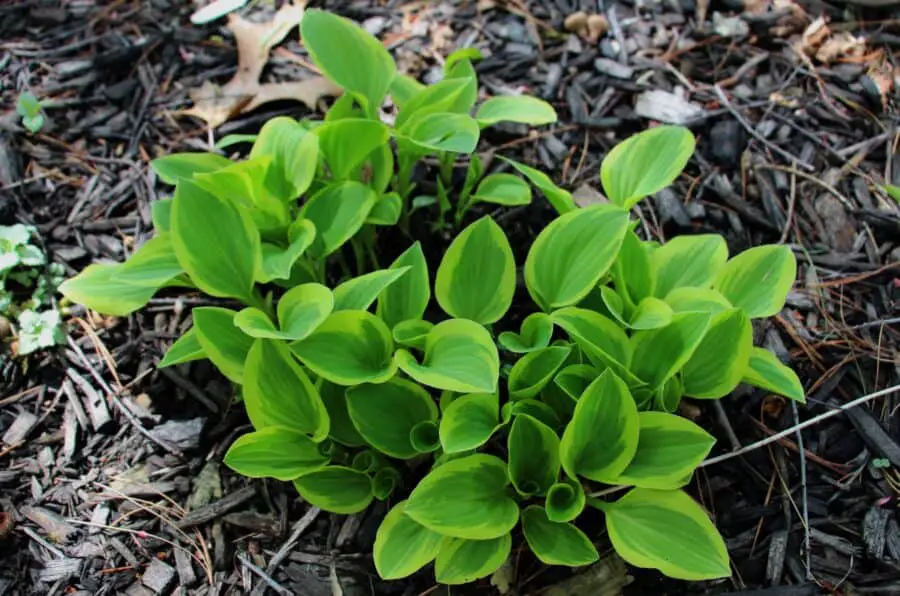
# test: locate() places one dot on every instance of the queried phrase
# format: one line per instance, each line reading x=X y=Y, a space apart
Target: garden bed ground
x=110 y=471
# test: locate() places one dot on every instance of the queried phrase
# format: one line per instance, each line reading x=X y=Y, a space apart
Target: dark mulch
x=111 y=477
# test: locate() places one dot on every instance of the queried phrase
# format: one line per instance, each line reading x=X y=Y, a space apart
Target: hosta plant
x=396 y=383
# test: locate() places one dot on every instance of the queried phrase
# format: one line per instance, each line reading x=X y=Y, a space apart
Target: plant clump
x=359 y=388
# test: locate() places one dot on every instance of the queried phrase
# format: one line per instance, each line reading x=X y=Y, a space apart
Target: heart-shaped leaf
x=386 y=414
x=465 y=498
x=535 y=334
x=468 y=422
x=460 y=355
x=350 y=347
x=336 y=489
x=556 y=543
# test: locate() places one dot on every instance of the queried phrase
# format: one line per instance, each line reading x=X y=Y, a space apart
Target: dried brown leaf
x=217 y=104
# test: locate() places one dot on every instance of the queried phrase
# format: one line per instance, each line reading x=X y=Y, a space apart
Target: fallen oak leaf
x=217 y=104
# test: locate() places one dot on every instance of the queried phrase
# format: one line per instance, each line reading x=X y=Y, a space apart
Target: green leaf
x=185 y=349
x=460 y=355
x=565 y=501
x=172 y=168
x=257 y=324
x=476 y=279
x=449 y=95
x=234 y=139
x=278 y=393
x=341 y=428
x=535 y=334
x=360 y=292
x=759 y=279
x=688 y=261
x=387 y=210
x=658 y=354
x=560 y=199
x=461 y=561
x=767 y=372
x=347 y=143
x=408 y=297
x=721 y=359
x=338 y=211
x=404 y=88
x=602 y=341
x=443 y=131
x=152 y=265
x=531 y=407
x=575 y=379
x=571 y=254
x=533 y=456
x=531 y=373
x=221 y=259
x=697 y=300
x=403 y=546
x=465 y=498
x=556 y=543
x=223 y=343
x=350 y=57
x=645 y=163
x=278 y=262
x=350 y=347
x=524 y=109
x=602 y=437
x=249 y=185
x=892 y=191
x=651 y=313
x=468 y=422
x=161 y=214
x=632 y=269
x=294 y=153
x=303 y=308
x=336 y=489
x=668 y=531
x=385 y=415
x=669 y=449
x=275 y=452
x=502 y=189
x=96 y=288
x=412 y=333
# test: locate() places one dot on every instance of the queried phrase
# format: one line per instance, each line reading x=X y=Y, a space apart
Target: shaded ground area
x=110 y=473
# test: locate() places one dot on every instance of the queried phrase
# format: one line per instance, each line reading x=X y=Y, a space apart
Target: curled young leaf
x=535 y=334
x=565 y=501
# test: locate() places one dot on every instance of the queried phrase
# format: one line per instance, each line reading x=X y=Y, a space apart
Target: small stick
x=798 y=427
x=756 y=135
x=804 y=495
x=263 y=575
